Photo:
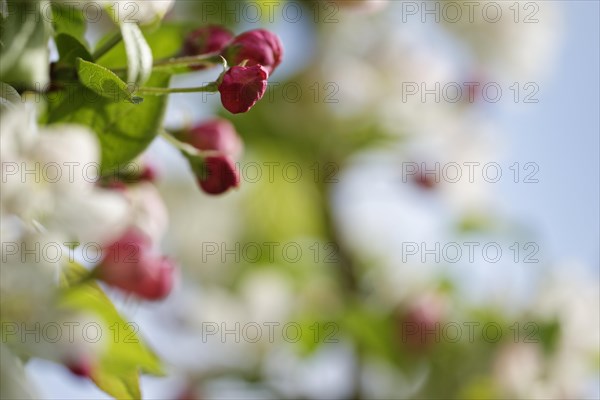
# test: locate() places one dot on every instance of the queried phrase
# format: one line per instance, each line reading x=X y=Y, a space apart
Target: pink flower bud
x=259 y=47
x=130 y=265
x=149 y=173
x=424 y=181
x=82 y=367
x=219 y=176
x=216 y=134
x=208 y=39
x=242 y=87
x=421 y=323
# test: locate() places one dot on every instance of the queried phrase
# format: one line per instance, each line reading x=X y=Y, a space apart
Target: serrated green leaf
x=124 y=129
x=104 y=82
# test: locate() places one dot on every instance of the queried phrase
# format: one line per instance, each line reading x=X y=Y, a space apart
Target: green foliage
x=123 y=128
x=126 y=354
x=165 y=42
x=69 y=50
x=370 y=330
x=104 y=82
x=65 y=20
x=24 y=46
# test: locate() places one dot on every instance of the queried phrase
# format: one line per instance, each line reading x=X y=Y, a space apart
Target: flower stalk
x=154 y=91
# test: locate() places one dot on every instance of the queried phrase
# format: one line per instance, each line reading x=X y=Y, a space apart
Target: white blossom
x=47 y=180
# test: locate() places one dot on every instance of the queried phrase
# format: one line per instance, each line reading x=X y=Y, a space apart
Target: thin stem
x=205 y=59
x=106 y=47
x=183 y=147
x=172 y=64
x=153 y=91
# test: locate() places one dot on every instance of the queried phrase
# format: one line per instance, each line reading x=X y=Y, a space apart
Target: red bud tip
x=258 y=47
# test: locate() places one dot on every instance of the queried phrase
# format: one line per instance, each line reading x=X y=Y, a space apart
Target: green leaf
x=70 y=49
x=124 y=129
x=125 y=386
x=139 y=54
x=67 y=20
x=126 y=354
x=549 y=334
x=104 y=82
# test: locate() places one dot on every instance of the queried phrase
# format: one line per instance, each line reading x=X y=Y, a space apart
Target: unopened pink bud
x=242 y=87
x=219 y=176
x=208 y=39
x=130 y=265
x=258 y=47
x=216 y=134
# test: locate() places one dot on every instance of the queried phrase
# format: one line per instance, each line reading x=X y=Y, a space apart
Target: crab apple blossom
x=257 y=47
x=130 y=265
x=242 y=87
x=219 y=176
x=148 y=213
x=217 y=134
x=46 y=179
x=207 y=39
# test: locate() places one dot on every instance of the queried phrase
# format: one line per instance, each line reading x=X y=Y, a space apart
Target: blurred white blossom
x=49 y=177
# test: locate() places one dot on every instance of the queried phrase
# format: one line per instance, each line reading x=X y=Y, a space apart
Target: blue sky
x=561 y=134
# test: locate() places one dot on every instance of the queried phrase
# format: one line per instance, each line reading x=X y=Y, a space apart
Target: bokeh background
x=354 y=294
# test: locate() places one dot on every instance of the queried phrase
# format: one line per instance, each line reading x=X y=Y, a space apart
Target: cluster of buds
x=131 y=262
x=220 y=146
x=253 y=57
